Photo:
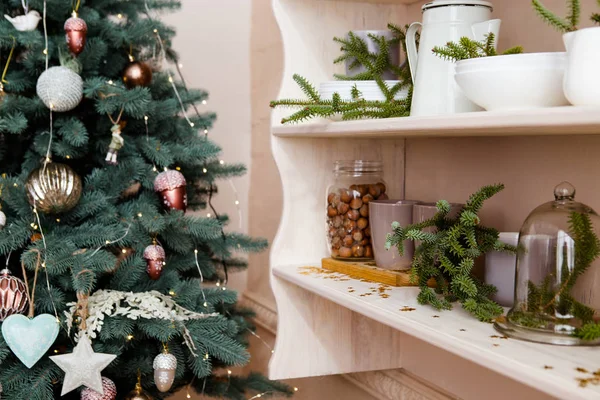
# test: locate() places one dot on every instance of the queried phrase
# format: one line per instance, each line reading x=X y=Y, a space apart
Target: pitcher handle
x=411 y=48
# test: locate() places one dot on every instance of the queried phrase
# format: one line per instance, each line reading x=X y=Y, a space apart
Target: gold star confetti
x=582 y=370
x=463 y=330
x=548 y=367
x=435 y=316
x=495 y=345
x=407 y=308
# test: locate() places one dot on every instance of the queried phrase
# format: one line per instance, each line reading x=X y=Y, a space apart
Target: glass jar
x=355 y=184
x=557 y=282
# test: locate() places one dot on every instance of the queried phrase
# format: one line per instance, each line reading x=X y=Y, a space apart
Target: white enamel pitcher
x=582 y=81
x=435 y=91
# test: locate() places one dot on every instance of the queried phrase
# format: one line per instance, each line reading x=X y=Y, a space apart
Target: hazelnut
x=356 y=203
x=335 y=253
x=364 y=210
x=353 y=215
x=365 y=242
x=336 y=242
x=349 y=225
x=332 y=232
x=357 y=235
x=341 y=232
x=367 y=231
x=343 y=208
x=367 y=199
x=345 y=196
x=345 y=252
x=374 y=190
x=381 y=186
x=331 y=212
x=348 y=241
x=362 y=223
x=337 y=221
x=363 y=190
x=358 y=250
x=383 y=196
x=368 y=252
x=330 y=198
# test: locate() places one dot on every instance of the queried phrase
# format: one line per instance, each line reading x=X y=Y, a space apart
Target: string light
x=207 y=215
x=201 y=277
x=222 y=162
x=204 y=170
x=204 y=102
x=129 y=337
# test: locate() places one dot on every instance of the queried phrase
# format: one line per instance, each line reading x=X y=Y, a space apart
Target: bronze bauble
x=138 y=394
x=155 y=260
x=76 y=34
x=13 y=295
x=53 y=188
x=137 y=73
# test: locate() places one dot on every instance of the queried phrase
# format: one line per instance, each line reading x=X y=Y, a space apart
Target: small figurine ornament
x=24 y=23
x=115 y=145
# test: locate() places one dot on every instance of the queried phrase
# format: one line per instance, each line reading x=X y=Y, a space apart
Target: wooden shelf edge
x=520 y=361
x=548 y=121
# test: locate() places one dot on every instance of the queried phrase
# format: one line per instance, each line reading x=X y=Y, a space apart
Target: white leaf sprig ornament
x=27 y=337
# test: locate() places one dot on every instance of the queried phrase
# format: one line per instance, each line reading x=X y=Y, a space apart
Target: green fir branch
x=560 y=24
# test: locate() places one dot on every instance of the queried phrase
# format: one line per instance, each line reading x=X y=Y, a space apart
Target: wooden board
x=369 y=271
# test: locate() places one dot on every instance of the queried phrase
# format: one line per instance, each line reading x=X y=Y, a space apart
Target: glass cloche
x=557 y=283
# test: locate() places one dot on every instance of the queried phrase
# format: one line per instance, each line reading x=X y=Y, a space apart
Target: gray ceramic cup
x=381 y=215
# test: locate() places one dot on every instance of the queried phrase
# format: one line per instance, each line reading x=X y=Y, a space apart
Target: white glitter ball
x=60 y=87
x=2 y=222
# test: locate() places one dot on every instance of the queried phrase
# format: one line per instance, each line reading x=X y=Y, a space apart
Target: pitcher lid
x=443 y=3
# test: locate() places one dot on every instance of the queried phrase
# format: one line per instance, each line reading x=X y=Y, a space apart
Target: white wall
x=213 y=41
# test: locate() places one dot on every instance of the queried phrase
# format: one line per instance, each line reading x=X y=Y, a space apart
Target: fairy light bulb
x=204 y=102
x=204 y=170
x=237 y=203
x=221 y=162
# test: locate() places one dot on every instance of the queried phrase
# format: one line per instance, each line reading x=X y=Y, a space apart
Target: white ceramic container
x=514 y=82
x=500 y=270
x=435 y=91
x=582 y=77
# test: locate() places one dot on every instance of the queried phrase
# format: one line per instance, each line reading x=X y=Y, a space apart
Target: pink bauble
x=171 y=186
x=109 y=388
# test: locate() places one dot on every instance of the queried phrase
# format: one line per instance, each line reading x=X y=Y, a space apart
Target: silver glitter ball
x=60 y=88
x=2 y=222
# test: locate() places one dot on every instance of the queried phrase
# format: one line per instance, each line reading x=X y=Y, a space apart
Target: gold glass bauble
x=53 y=188
x=138 y=394
x=137 y=73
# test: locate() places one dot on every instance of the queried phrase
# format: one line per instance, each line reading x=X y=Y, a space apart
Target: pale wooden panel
x=317 y=337
x=545 y=121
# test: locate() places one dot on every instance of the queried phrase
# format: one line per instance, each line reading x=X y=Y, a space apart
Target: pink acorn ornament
x=155 y=260
x=75 y=33
x=171 y=186
x=108 y=388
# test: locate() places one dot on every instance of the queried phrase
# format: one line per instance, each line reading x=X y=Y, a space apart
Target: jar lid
x=357 y=166
x=444 y=3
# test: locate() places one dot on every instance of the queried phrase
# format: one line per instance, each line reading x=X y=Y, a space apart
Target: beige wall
x=213 y=39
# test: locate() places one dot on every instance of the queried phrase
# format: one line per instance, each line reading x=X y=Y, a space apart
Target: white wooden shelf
x=549 y=369
x=549 y=121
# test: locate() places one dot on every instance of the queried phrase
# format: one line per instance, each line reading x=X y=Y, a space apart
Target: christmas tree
x=99 y=158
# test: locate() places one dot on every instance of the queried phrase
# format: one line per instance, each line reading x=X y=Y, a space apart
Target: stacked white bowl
x=369 y=90
x=515 y=81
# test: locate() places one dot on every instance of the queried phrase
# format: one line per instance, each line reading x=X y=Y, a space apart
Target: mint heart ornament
x=29 y=339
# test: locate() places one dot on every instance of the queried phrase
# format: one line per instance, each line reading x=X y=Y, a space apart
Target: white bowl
x=514 y=82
